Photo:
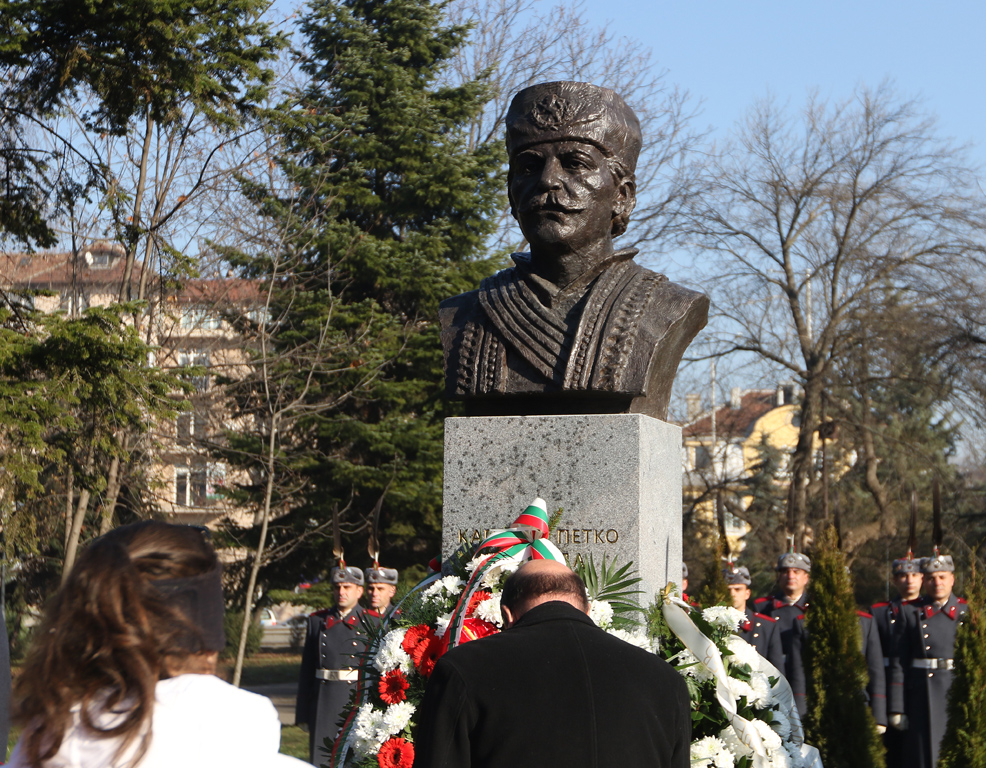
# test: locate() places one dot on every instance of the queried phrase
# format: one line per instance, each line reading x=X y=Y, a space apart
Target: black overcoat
x=927 y=633
x=331 y=643
x=790 y=626
x=886 y=616
x=760 y=631
x=876 y=687
x=553 y=691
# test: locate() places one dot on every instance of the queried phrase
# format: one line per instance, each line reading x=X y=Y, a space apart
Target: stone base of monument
x=617 y=479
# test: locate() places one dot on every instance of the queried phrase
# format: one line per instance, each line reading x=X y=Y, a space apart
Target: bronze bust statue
x=576 y=326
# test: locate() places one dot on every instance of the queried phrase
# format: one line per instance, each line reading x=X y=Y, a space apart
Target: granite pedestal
x=617 y=478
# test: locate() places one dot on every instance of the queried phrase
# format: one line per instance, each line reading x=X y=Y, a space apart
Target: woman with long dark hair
x=122 y=670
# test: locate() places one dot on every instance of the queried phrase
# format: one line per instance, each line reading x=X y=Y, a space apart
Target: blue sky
x=729 y=53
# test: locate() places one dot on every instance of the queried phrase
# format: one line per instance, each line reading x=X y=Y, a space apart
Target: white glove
x=899 y=722
x=881 y=729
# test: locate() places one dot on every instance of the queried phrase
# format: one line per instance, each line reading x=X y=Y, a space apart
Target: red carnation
x=479 y=596
x=414 y=638
x=396 y=753
x=428 y=654
x=474 y=628
x=392 y=687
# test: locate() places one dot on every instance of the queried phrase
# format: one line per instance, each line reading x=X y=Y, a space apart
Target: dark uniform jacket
x=790 y=627
x=920 y=677
x=553 y=691
x=887 y=616
x=331 y=643
x=760 y=631
x=876 y=687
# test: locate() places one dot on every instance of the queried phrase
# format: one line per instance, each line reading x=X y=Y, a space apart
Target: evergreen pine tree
x=386 y=210
x=964 y=743
x=839 y=722
x=715 y=591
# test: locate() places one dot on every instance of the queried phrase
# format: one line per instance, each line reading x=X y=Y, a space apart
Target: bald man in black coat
x=552 y=690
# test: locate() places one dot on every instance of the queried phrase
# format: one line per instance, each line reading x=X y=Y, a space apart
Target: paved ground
x=282 y=694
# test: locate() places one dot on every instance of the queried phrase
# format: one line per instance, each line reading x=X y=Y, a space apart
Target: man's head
x=939 y=577
x=793 y=569
x=908 y=577
x=738 y=583
x=541 y=581
x=573 y=150
x=347 y=587
x=381 y=584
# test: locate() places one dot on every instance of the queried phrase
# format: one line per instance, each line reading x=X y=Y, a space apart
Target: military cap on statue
x=906 y=565
x=737 y=575
x=794 y=560
x=937 y=564
x=568 y=111
x=378 y=575
x=347 y=575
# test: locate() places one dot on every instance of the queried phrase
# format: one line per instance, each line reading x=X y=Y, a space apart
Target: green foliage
x=385 y=214
x=615 y=586
x=715 y=590
x=964 y=743
x=232 y=625
x=839 y=722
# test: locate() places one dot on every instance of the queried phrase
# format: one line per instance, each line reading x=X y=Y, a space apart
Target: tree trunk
x=110 y=497
x=802 y=461
x=69 y=506
x=258 y=556
x=73 y=542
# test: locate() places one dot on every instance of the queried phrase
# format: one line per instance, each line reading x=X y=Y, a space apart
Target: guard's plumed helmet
x=569 y=111
x=906 y=565
x=737 y=575
x=937 y=564
x=380 y=575
x=794 y=560
x=347 y=575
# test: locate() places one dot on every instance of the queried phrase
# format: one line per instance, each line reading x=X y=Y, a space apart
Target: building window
x=191 y=487
x=200 y=359
x=703 y=459
x=201 y=319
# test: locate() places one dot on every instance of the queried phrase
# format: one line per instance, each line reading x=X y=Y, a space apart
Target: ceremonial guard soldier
x=787 y=607
x=922 y=672
x=335 y=638
x=381 y=586
x=888 y=618
x=758 y=630
x=876 y=687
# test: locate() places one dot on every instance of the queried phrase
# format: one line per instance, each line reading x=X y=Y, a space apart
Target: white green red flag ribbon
x=527 y=539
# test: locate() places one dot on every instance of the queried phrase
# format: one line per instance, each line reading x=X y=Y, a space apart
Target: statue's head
x=573 y=151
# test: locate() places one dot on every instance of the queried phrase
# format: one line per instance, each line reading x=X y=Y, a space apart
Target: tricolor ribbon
x=527 y=539
x=708 y=655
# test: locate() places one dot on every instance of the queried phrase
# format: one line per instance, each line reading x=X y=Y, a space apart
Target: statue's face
x=564 y=192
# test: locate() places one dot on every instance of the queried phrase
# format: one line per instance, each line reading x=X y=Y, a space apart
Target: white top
x=199 y=721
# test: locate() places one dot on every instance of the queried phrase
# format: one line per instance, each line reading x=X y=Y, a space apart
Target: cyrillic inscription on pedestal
x=617 y=478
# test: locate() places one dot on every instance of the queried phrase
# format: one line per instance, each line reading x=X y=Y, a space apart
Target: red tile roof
x=735 y=422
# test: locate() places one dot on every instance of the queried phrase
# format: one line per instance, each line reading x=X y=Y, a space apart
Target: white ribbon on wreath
x=708 y=654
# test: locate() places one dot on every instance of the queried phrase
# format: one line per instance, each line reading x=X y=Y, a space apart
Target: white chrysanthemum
x=724 y=616
x=687 y=664
x=489 y=610
x=779 y=758
x=733 y=743
x=601 y=612
x=638 y=638
x=396 y=718
x=434 y=591
x=452 y=584
x=743 y=652
x=762 y=695
x=794 y=753
x=781 y=724
x=365 y=736
x=703 y=752
x=441 y=624
x=473 y=564
x=391 y=655
x=740 y=689
x=725 y=759
x=770 y=739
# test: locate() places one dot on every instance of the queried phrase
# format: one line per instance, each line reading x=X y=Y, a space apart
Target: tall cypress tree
x=839 y=722
x=387 y=211
x=964 y=742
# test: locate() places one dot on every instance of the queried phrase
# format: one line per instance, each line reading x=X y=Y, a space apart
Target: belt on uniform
x=933 y=663
x=342 y=675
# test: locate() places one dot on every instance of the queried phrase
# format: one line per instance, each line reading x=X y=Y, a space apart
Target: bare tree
x=817 y=225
